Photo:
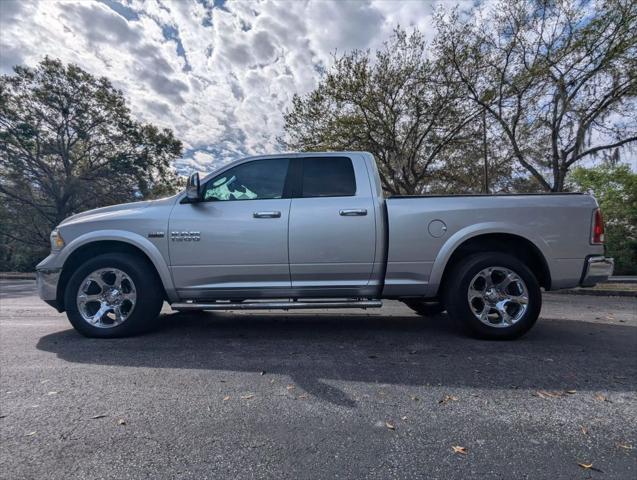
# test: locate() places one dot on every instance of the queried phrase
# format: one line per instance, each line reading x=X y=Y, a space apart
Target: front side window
x=259 y=179
x=328 y=177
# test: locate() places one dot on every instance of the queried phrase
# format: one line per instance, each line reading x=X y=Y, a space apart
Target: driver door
x=242 y=247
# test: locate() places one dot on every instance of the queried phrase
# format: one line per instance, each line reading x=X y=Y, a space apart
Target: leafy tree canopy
x=395 y=105
x=68 y=143
x=558 y=78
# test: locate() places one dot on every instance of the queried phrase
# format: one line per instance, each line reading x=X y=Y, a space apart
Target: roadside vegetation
x=517 y=97
x=68 y=143
x=615 y=187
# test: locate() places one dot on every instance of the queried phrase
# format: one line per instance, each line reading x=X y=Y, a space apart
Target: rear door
x=235 y=242
x=332 y=234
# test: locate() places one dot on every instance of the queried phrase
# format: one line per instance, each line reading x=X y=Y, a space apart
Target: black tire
x=456 y=289
x=425 y=308
x=148 y=288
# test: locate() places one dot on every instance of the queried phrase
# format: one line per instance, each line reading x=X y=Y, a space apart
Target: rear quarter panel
x=558 y=225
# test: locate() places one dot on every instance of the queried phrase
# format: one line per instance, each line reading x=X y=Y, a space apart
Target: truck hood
x=114 y=211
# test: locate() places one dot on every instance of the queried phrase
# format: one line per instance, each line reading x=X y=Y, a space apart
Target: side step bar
x=278 y=305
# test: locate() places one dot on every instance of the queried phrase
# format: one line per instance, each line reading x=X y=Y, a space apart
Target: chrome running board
x=293 y=305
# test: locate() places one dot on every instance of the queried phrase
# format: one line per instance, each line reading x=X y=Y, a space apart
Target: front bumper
x=47 y=283
x=597 y=269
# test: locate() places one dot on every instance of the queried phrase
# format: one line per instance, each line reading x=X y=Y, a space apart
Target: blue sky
x=219 y=73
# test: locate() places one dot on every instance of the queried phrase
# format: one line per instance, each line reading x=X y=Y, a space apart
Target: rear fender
x=476 y=230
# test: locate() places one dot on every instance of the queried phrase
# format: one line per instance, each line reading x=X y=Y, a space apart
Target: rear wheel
x=494 y=295
x=425 y=308
x=113 y=295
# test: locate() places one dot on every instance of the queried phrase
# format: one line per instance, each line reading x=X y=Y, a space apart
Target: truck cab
x=278 y=227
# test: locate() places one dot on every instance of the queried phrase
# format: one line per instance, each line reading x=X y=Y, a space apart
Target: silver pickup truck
x=313 y=230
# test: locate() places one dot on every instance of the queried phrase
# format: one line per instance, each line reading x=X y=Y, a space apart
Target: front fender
x=461 y=236
x=145 y=245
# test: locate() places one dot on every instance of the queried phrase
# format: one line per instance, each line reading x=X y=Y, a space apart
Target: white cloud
x=220 y=74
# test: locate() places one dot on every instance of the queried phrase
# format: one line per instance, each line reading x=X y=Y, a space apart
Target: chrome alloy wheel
x=498 y=297
x=106 y=298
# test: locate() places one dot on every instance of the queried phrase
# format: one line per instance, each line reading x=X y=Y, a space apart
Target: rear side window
x=328 y=177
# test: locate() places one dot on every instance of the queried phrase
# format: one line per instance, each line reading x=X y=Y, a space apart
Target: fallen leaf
x=302 y=397
x=546 y=394
x=459 y=449
x=601 y=398
x=584 y=429
x=246 y=397
x=121 y=421
x=390 y=426
x=226 y=398
x=448 y=398
x=290 y=387
x=30 y=434
x=99 y=415
x=589 y=466
x=625 y=446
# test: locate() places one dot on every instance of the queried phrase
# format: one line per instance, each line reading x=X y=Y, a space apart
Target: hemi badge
x=156 y=235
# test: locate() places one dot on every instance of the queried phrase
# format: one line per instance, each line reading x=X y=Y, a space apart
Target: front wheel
x=494 y=295
x=113 y=295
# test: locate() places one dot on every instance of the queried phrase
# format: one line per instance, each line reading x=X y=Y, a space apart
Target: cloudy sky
x=219 y=73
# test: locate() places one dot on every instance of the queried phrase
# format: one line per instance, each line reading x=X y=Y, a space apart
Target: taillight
x=597 y=236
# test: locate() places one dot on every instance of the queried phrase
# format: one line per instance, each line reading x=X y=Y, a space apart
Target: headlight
x=57 y=242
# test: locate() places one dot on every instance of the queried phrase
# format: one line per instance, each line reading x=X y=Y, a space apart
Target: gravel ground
x=377 y=394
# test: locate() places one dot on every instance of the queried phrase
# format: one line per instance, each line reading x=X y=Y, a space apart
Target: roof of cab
x=302 y=154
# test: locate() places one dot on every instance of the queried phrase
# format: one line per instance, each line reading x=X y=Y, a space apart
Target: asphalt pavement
x=324 y=394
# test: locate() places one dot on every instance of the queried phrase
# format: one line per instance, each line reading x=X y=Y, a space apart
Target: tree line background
x=527 y=96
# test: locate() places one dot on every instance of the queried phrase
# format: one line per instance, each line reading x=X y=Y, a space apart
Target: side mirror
x=193 y=188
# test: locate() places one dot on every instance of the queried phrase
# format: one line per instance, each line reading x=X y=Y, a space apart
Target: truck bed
x=424 y=230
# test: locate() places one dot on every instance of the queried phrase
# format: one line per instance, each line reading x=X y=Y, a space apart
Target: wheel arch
x=82 y=249
x=531 y=252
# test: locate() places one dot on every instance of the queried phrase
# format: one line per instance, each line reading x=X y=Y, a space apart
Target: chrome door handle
x=266 y=214
x=353 y=212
